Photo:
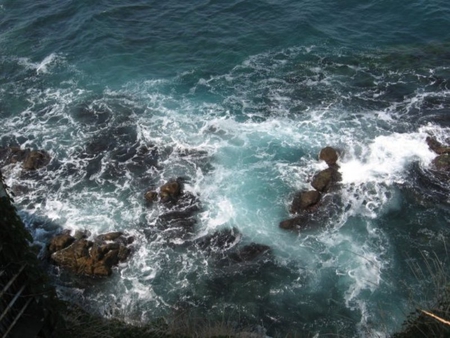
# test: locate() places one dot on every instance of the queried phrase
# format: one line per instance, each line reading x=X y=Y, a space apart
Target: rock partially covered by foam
x=436 y=146
x=442 y=162
x=170 y=191
x=31 y=159
x=93 y=258
x=325 y=180
x=329 y=155
x=308 y=206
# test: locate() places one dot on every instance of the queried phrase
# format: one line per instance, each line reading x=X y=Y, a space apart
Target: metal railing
x=13 y=296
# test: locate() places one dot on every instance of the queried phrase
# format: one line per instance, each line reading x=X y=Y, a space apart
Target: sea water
x=238 y=98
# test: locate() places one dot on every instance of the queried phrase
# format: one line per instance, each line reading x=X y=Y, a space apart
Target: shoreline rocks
x=92 y=258
x=442 y=161
x=31 y=159
x=307 y=205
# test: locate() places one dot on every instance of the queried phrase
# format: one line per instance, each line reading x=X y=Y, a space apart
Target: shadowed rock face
x=442 y=162
x=93 y=258
x=436 y=146
x=326 y=179
x=304 y=200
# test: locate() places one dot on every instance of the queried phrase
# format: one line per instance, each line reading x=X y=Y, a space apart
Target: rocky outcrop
x=436 y=146
x=178 y=210
x=93 y=258
x=304 y=201
x=31 y=159
x=325 y=180
x=329 y=155
x=442 y=161
x=307 y=205
x=60 y=242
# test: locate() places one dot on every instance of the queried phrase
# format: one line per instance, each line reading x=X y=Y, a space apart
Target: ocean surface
x=237 y=97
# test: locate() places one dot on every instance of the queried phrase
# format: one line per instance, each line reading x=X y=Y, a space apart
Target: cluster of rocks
x=178 y=220
x=86 y=257
x=31 y=159
x=306 y=204
x=442 y=161
x=178 y=207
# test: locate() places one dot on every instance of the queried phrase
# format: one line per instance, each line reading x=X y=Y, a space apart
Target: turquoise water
x=238 y=97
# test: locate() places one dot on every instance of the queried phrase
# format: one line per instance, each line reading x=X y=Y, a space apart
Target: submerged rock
x=296 y=223
x=221 y=240
x=85 y=257
x=249 y=252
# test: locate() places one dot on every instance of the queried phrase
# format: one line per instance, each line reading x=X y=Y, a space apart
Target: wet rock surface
x=310 y=207
x=329 y=155
x=93 y=258
x=304 y=200
x=437 y=146
x=31 y=159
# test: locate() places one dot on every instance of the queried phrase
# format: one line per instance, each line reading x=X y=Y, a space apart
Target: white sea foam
x=43 y=66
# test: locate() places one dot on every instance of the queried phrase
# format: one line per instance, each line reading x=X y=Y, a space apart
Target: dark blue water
x=238 y=97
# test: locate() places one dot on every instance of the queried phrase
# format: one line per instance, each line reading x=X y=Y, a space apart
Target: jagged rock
x=329 y=155
x=36 y=159
x=111 y=236
x=170 y=191
x=79 y=234
x=95 y=258
x=60 y=242
x=442 y=162
x=304 y=200
x=325 y=179
x=151 y=196
x=436 y=146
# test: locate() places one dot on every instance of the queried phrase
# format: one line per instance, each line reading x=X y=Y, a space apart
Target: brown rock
x=304 y=200
x=325 y=179
x=60 y=242
x=436 y=146
x=151 y=196
x=442 y=162
x=123 y=253
x=329 y=155
x=111 y=236
x=36 y=159
x=170 y=191
x=69 y=256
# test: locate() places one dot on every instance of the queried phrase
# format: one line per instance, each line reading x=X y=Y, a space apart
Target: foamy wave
x=43 y=66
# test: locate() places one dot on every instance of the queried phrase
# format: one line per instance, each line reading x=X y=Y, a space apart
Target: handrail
x=11 y=303
x=12 y=280
x=18 y=317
